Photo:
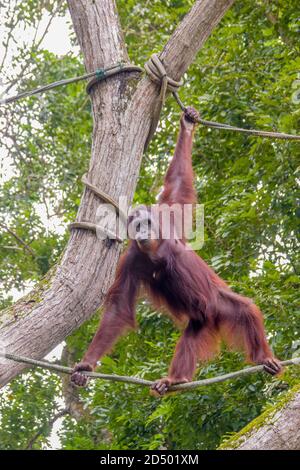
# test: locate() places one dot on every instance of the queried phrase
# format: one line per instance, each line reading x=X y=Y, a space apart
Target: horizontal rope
x=99 y=74
x=157 y=73
x=94 y=228
x=147 y=383
x=227 y=127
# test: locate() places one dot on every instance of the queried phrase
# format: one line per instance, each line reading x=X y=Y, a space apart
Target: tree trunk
x=72 y=292
x=278 y=428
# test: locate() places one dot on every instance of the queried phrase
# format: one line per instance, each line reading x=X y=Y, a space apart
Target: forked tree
x=75 y=288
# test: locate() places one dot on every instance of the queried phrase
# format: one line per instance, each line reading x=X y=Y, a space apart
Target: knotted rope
x=156 y=71
x=101 y=194
x=102 y=74
x=99 y=75
x=95 y=228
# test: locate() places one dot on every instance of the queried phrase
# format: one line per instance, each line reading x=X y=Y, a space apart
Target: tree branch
x=75 y=289
x=19 y=240
x=49 y=427
x=278 y=428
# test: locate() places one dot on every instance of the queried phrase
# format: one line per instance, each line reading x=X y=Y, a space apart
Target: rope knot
x=156 y=71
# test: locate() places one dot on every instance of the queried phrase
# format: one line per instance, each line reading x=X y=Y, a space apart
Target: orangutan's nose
x=142 y=237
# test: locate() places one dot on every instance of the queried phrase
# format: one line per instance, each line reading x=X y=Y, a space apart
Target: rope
x=147 y=383
x=227 y=127
x=99 y=74
x=94 y=227
x=102 y=74
x=156 y=71
x=103 y=196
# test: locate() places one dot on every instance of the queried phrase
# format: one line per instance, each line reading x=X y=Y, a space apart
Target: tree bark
x=276 y=429
x=121 y=107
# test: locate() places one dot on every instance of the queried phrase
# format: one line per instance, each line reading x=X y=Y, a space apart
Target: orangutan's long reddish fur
x=181 y=281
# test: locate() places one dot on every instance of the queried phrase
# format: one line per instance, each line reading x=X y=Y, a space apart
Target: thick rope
x=103 y=196
x=147 y=383
x=156 y=71
x=99 y=75
x=94 y=227
x=227 y=127
x=102 y=74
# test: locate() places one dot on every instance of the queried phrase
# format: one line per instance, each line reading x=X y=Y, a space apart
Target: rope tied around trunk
x=98 y=76
x=156 y=71
x=95 y=227
x=103 y=74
